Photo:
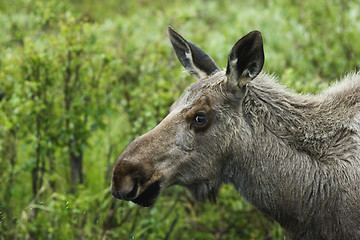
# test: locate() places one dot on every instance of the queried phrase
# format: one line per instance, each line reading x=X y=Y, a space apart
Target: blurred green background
x=80 y=79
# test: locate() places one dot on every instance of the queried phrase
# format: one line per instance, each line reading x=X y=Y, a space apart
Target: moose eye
x=200 y=119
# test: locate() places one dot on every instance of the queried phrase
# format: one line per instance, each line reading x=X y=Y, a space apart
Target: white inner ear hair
x=192 y=69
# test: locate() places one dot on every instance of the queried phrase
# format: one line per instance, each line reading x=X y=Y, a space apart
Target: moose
x=295 y=157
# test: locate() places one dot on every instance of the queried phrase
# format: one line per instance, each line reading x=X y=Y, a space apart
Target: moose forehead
x=204 y=88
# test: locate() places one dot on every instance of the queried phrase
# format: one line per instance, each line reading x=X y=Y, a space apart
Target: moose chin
x=294 y=157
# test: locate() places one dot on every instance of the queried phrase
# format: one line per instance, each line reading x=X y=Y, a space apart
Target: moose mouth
x=148 y=197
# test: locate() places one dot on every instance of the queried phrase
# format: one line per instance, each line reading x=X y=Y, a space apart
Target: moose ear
x=245 y=60
x=195 y=60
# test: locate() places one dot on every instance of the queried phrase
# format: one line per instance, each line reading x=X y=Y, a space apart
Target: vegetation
x=79 y=81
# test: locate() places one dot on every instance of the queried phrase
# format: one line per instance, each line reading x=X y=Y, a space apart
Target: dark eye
x=199 y=119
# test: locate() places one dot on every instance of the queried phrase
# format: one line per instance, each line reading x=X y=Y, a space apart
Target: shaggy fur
x=301 y=161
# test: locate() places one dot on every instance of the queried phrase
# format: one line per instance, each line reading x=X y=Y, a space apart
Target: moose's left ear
x=195 y=60
x=245 y=60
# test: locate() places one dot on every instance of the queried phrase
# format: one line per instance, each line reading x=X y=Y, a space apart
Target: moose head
x=193 y=145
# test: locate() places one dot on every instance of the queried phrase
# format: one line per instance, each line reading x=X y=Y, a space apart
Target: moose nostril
x=132 y=194
x=128 y=190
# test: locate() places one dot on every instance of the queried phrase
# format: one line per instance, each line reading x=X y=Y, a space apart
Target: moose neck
x=278 y=170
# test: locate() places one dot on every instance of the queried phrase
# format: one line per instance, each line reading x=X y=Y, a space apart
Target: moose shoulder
x=295 y=157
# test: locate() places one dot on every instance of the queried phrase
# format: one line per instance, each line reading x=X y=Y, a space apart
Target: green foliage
x=79 y=81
